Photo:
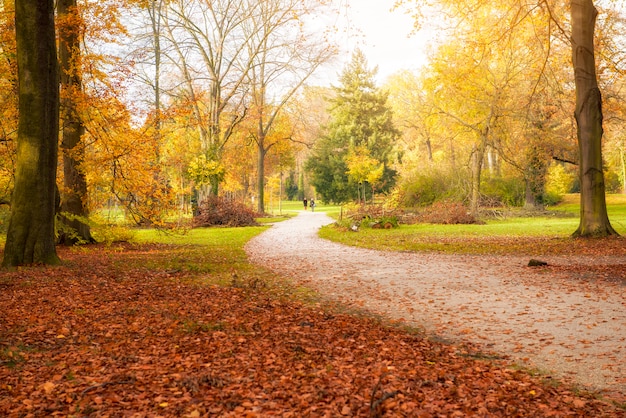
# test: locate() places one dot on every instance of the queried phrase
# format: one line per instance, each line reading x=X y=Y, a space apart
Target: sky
x=383 y=35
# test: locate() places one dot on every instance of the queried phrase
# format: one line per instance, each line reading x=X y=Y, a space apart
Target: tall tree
x=284 y=55
x=209 y=48
x=8 y=101
x=30 y=237
x=594 y=220
x=74 y=192
x=360 y=120
x=588 y=114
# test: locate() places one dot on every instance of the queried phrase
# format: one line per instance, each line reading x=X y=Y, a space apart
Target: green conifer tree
x=360 y=117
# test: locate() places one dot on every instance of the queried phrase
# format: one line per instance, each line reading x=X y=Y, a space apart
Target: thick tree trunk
x=30 y=237
x=73 y=208
x=594 y=220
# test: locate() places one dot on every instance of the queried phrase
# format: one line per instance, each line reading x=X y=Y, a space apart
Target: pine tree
x=360 y=119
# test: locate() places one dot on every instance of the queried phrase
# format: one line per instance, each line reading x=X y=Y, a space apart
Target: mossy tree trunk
x=30 y=236
x=594 y=220
x=73 y=208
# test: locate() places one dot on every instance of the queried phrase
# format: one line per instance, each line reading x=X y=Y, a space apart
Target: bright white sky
x=384 y=37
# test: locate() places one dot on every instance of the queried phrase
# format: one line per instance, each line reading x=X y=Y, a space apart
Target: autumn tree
x=360 y=120
x=594 y=220
x=593 y=217
x=30 y=237
x=205 y=44
x=8 y=102
x=414 y=113
x=74 y=209
x=285 y=55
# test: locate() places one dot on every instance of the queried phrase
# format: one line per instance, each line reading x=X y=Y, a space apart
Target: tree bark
x=534 y=179
x=73 y=208
x=594 y=220
x=261 y=152
x=30 y=236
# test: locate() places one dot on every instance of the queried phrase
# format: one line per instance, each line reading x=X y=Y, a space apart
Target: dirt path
x=528 y=314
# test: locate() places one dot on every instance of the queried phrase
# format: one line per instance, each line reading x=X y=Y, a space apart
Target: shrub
x=220 y=211
x=560 y=181
x=502 y=191
x=109 y=234
x=370 y=216
x=612 y=182
x=447 y=212
x=431 y=184
x=423 y=190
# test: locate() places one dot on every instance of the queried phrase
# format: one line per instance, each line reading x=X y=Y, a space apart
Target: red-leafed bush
x=220 y=211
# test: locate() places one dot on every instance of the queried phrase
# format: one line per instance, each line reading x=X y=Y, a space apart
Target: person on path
x=305 y=203
x=312 y=204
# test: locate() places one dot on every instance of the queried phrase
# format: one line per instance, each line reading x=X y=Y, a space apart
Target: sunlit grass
x=295 y=206
x=215 y=251
x=512 y=235
x=216 y=256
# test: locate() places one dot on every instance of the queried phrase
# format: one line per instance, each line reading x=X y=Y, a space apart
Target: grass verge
x=532 y=236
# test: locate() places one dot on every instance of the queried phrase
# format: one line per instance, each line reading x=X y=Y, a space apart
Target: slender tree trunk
x=621 y=157
x=534 y=179
x=429 y=150
x=477 y=167
x=261 y=176
x=30 y=237
x=594 y=220
x=73 y=208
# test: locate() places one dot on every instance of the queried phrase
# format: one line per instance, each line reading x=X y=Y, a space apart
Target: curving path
x=531 y=316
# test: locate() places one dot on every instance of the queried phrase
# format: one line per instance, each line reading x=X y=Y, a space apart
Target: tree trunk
x=594 y=220
x=261 y=176
x=73 y=209
x=30 y=237
x=478 y=155
x=534 y=179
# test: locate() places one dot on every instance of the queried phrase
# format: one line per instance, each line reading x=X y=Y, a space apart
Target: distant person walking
x=305 y=203
x=312 y=204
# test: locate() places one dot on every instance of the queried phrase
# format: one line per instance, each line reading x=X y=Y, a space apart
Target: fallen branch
x=376 y=403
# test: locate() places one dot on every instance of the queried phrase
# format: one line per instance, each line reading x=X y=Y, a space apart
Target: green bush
x=429 y=186
x=503 y=191
x=559 y=181
x=612 y=182
x=109 y=234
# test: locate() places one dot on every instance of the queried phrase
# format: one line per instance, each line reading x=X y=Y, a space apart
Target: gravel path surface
x=577 y=333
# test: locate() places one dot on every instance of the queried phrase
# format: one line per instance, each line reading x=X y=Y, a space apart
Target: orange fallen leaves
x=95 y=338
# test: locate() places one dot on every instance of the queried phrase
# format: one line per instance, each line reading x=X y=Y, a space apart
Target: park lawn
x=535 y=236
x=294 y=206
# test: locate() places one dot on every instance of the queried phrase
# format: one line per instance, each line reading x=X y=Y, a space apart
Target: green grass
x=294 y=206
x=214 y=256
x=203 y=251
x=513 y=235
